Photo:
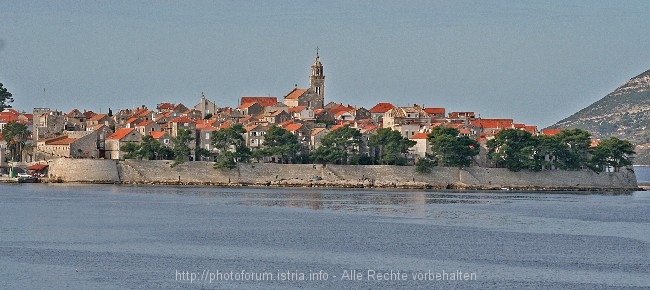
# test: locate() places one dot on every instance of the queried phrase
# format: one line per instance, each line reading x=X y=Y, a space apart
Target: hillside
x=624 y=113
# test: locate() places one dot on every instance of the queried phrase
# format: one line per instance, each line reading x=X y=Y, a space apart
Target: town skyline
x=544 y=61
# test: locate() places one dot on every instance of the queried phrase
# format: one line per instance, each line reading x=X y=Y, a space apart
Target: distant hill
x=624 y=113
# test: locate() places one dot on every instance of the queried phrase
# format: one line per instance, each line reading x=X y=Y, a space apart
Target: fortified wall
x=203 y=173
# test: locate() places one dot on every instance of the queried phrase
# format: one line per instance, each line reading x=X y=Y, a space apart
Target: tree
x=337 y=146
x=152 y=149
x=16 y=135
x=574 y=148
x=181 y=148
x=612 y=152
x=513 y=149
x=130 y=150
x=424 y=165
x=5 y=98
x=449 y=149
x=389 y=147
x=231 y=145
x=280 y=142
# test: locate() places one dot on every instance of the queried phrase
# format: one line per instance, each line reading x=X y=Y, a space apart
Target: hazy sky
x=534 y=61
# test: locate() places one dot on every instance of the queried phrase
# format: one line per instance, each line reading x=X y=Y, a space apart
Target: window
x=166 y=141
x=207 y=135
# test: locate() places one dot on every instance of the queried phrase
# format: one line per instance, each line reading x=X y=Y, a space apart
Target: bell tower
x=317 y=79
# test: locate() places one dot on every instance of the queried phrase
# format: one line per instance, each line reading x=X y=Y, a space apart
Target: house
x=406 y=120
x=205 y=106
x=422 y=145
x=377 y=112
x=181 y=123
x=146 y=127
x=99 y=119
x=75 y=121
x=71 y=144
x=255 y=135
x=47 y=123
x=204 y=135
x=315 y=136
x=116 y=140
x=489 y=127
x=250 y=109
x=163 y=137
x=302 y=113
x=276 y=117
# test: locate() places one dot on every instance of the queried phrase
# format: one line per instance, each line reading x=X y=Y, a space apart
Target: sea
x=62 y=236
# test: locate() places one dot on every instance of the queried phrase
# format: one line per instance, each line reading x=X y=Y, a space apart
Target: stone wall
x=83 y=170
x=202 y=172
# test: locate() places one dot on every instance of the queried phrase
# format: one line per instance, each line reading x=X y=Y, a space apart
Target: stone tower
x=317 y=79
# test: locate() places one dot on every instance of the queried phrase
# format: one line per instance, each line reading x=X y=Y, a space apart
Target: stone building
x=47 y=123
x=205 y=106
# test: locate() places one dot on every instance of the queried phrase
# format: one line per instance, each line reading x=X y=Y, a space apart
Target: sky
x=534 y=61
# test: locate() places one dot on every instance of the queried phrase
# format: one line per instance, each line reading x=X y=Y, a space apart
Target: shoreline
x=409 y=185
x=203 y=173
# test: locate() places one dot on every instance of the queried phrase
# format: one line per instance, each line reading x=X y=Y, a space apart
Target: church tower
x=317 y=79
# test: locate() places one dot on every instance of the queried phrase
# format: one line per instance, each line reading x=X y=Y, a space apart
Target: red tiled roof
x=437 y=111
x=52 y=139
x=420 y=136
x=293 y=127
x=297 y=109
x=381 y=108
x=551 y=132
x=165 y=106
x=493 y=123
x=264 y=101
x=89 y=114
x=132 y=120
x=157 y=134
x=144 y=123
x=120 y=133
x=205 y=126
x=246 y=105
x=295 y=94
x=97 y=117
x=64 y=141
x=315 y=131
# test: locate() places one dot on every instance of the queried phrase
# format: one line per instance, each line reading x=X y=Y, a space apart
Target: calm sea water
x=115 y=237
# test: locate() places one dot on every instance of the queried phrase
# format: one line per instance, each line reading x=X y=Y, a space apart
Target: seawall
x=269 y=174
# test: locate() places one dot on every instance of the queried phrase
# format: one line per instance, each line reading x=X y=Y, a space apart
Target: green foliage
x=15 y=134
x=574 y=148
x=149 y=149
x=280 y=142
x=512 y=149
x=389 y=147
x=130 y=149
x=5 y=98
x=181 y=148
x=612 y=152
x=207 y=116
x=424 y=165
x=231 y=145
x=449 y=149
x=338 y=146
x=568 y=150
